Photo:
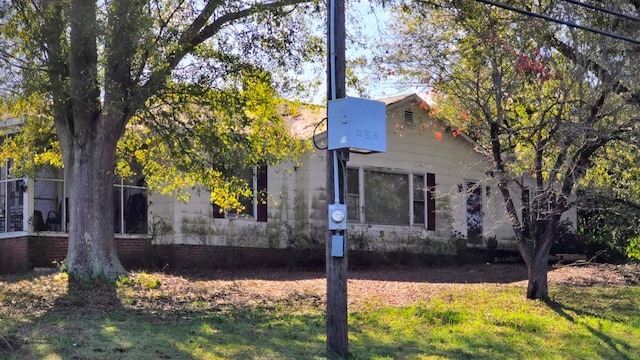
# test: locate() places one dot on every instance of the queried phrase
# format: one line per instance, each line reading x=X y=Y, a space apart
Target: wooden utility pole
x=337 y=328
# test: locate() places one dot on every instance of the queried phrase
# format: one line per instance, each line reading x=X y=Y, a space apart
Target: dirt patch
x=186 y=292
x=394 y=286
x=591 y=274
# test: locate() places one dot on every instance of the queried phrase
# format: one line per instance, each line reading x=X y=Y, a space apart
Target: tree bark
x=538 y=264
x=537 y=287
x=89 y=168
x=88 y=139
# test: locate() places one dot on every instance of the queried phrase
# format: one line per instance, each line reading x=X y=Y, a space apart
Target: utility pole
x=337 y=328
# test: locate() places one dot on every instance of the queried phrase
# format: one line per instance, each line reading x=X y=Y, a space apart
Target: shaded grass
x=41 y=318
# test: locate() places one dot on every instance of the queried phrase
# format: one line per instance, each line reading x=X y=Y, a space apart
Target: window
x=255 y=206
x=248 y=203
x=50 y=210
x=49 y=201
x=353 y=194
x=391 y=198
x=11 y=201
x=130 y=204
x=386 y=198
x=12 y=205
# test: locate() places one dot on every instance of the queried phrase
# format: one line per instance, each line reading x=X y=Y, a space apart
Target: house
x=428 y=194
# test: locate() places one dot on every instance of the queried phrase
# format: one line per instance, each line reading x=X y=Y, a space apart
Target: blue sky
x=366 y=27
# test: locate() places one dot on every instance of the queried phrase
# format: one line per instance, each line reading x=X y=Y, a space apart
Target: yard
x=395 y=313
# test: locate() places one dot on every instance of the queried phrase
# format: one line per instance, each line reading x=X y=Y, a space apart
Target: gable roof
x=303 y=119
x=306 y=120
x=415 y=99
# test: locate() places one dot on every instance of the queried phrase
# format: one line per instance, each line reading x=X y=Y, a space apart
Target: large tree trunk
x=89 y=135
x=89 y=172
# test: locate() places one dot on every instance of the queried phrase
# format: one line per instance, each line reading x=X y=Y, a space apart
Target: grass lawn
x=157 y=316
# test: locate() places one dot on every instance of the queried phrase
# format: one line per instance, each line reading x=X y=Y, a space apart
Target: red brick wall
x=46 y=251
x=20 y=254
x=202 y=256
x=134 y=253
x=14 y=254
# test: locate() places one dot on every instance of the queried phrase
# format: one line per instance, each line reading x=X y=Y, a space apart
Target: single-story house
x=428 y=194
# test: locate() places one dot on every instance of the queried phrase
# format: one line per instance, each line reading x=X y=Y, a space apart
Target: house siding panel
x=297 y=204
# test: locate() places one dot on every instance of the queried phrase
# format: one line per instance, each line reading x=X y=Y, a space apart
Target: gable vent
x=408 y=117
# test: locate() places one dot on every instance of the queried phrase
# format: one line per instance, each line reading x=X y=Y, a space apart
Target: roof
x=395 y=99
x=302 y=119
x=400 y=98
x=305 y=120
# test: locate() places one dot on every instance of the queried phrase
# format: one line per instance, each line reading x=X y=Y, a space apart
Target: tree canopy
x=188 y=91
x=542 y=100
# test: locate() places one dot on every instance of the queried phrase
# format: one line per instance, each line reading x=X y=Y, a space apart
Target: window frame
x=31 y=203
x=428 y=188
x=259 y=200
x=122 y=217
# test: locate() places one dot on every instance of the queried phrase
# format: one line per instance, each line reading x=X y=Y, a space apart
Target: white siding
x=297 y=207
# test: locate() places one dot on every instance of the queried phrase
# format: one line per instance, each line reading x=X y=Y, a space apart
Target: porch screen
x=353 y=195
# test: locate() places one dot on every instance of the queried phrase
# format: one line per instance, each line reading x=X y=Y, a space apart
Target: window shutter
x=261 y=191
x=431 y=201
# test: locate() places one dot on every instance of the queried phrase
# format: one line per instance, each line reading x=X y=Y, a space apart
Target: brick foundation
x=47 y=251
x=207 y=257
x=14 y=255
x=21 y=254
x=203 y=257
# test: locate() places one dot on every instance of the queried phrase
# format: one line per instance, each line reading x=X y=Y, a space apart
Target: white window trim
x=410 y=174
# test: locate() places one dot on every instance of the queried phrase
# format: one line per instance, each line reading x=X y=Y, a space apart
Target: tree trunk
x=538 y=264
x=89 y=168
x=537 y=288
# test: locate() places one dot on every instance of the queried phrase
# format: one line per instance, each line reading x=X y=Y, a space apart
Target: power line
x=562 y=22
x=601 y=9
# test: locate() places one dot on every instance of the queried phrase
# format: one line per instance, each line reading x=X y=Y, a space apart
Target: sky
x=367 y=24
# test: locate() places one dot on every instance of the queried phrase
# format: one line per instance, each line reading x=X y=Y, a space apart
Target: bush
x=608 y=229
x=567 y=241
x=633 y=249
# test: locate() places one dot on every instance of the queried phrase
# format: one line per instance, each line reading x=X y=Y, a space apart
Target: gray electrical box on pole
x=358 y=125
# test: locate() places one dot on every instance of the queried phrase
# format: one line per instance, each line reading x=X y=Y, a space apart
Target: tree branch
x=188 y=41
x=83 y=64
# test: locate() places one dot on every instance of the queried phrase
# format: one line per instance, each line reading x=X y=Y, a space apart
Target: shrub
x=148 y=281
